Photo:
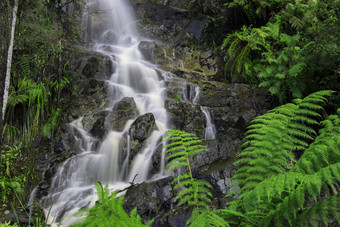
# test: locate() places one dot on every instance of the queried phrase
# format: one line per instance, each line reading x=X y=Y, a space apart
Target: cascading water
x=110 y=30
x=191 y=94
x=210 y=129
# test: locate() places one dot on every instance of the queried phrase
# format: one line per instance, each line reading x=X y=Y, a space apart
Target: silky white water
x=191 y=94
x=109 y=28
x=210 y=129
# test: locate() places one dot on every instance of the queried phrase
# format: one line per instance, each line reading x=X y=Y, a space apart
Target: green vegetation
x=109 y=211
x=182 y=146
x=277 y=187
x=11 y=182
x=35 y=102
x=295 y=53
x=288 y=172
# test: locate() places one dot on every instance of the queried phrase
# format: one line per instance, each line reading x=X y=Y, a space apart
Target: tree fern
x=273 y=137
x=182 y=146
x=109 y=212
x=276 y=189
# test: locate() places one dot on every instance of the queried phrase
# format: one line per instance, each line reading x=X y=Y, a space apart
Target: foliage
x=294 y=53
x=206 y=218
x=26 y=109
x=109 y=211
x=202 y=6
x=8 y=224
x=279 y=70
x=10 y=182
x=277 y=187
x=182 y=146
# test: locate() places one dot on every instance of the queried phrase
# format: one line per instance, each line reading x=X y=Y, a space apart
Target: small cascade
x=191 y=93
x=110 y=30
x=210 y=129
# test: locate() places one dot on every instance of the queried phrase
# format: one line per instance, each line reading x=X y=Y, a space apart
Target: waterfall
x=110 y=29
x=210 y=129
x=191 y=94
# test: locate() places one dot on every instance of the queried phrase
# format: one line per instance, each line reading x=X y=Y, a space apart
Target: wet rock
x=95 y=124
x=91 y=67
x=19 y=215
x=185 y=116
x=100 y=123
x=174 y=87
x=123 y=111
x=139 y=131
x=142 y=127
x=147 y=48
x=58 y=146
x=110 y=37
x=91 y=96
x=196 y=26
x=150 y=198
x=159 y=20
x=107 y=68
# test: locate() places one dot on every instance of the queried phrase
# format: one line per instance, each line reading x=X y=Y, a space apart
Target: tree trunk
x=4 y=42
x=9 y=58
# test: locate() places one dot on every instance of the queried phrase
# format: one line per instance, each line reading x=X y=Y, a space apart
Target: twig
x=131 y=185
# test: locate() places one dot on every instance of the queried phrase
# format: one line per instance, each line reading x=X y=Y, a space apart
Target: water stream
x=110 y=30
x=191 y=94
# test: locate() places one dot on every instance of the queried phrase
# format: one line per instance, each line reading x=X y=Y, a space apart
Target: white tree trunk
x=9 y=58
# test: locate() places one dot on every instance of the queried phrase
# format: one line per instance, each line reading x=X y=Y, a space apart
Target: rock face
x=185 y=116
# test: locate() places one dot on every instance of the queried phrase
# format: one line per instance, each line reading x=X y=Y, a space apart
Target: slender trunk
x=9 y=58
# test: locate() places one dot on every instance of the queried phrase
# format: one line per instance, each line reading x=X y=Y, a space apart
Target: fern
x=272 y=138
x=109 y=211
x=268 y=56
x=275 y=188
x=182 y=146
x=206 y=218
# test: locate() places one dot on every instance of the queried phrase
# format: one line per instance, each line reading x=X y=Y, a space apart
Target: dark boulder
x=91 y=67
x=139 y=131
x=122 y=111
x=142 y=127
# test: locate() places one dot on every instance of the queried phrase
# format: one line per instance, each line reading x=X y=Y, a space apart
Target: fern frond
x=320 y=213
x=206 y=218
x=272 y=137
x=324 y=150
x=110 y=212
x=182 y=146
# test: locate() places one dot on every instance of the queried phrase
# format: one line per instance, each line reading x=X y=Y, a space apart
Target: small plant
x=9 y=182
x=109 y=211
